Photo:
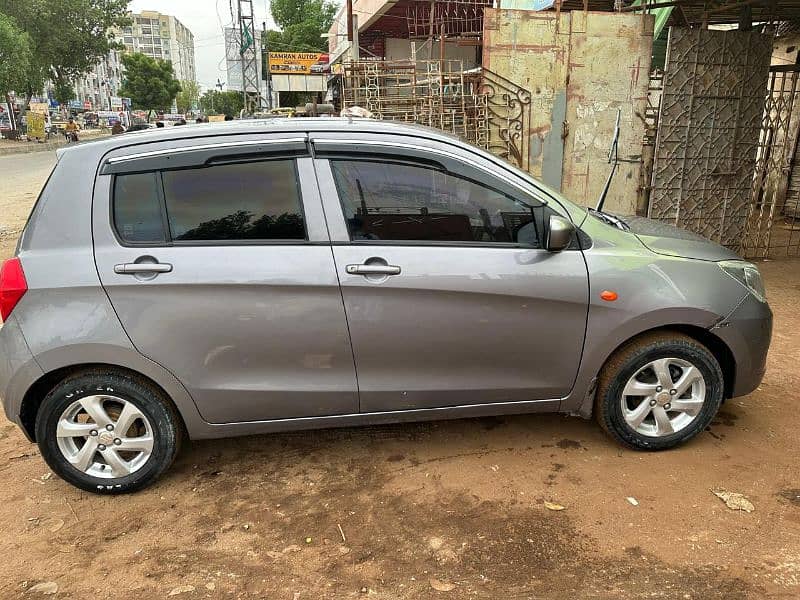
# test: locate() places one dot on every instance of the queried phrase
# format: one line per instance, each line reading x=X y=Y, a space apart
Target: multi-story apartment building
x=161 y=36
x=99 y=89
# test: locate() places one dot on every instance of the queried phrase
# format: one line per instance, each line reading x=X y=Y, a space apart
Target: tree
x=302 y=23
x=226 y=103
x=67 y=37
x=149 y=82
x=15 y=56
x=188 y=96
x=63 y=92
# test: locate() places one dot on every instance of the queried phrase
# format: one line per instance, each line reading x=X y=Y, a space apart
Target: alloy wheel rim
x=105 y=436
x=663 y=397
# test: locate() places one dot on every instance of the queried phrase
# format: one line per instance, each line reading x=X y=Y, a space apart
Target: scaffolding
x=477 y=105
x=453 y=18
x=436 y=93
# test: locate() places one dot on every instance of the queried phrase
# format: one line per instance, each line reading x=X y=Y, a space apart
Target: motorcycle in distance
x=71 y=131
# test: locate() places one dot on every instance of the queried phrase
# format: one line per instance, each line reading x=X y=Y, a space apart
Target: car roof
x=250 y=126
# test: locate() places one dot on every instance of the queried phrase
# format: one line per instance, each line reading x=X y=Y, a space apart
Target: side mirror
x=559 y=233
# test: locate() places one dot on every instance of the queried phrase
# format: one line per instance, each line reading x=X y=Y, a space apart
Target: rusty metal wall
x=609 y=69
x=532 y=49
x=711 y=110
x=579 y=68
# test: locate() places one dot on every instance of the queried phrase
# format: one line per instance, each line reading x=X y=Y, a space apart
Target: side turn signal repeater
x=608 y=295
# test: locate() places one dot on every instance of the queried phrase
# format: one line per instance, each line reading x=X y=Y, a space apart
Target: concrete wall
x=579 y=68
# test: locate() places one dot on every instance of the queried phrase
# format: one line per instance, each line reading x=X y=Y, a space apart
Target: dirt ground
x=411 y=511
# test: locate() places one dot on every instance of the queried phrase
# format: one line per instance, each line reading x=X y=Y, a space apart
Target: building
x=161 y=36
x=99 y=89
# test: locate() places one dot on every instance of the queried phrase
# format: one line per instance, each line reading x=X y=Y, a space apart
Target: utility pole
x=249 y=59
x=355 y=50
x=265 y=74
x=349 y=20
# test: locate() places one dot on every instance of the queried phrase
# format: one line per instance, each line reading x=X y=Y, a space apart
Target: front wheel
x=659 y=391
x=107 y=432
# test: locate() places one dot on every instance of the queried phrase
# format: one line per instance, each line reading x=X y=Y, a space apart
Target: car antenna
x=613 y=156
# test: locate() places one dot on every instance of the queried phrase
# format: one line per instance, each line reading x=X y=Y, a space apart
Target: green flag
x=247 y=41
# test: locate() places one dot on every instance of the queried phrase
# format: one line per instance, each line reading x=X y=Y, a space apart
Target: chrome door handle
x=372 y=270
x=134 y=268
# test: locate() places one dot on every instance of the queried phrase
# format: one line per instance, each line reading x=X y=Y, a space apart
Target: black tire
x=634 y=356
x=149 y=400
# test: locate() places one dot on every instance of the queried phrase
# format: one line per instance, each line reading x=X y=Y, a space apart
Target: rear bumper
x=18 y=369
x=747 y=331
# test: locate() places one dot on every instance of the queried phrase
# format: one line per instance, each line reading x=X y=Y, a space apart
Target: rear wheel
x=659 y=391
x=107 y=432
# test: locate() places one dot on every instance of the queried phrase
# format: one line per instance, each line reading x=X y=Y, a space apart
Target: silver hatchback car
x=232 y=279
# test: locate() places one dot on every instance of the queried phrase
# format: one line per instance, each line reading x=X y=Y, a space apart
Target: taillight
x=12 y=286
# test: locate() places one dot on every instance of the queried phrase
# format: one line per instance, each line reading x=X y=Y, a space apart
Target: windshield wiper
x=610 y=219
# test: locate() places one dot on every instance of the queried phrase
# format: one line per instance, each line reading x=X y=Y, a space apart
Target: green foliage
x=149 y=82
x=15 y=56
x=67 y=37
x=188 y=96
x=302 y=23
x=63 y=92
x=240 y=226
x=227 y=103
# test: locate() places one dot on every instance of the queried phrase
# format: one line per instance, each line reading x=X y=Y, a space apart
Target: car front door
x=450 y=297
x=218 y=262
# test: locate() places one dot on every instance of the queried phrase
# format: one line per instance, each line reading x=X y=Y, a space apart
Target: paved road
x=21 y=178
x=427 y=506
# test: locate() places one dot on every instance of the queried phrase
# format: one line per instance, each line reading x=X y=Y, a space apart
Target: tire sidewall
x=698 y=357
x=165 y=433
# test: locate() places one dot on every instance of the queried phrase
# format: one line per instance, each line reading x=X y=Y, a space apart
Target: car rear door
x=450 y=297
x=217 y=260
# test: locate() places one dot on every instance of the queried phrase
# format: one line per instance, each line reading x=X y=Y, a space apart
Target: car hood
x=663 y=238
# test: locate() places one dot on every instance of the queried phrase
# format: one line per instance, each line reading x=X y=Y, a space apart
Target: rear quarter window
x=137 y=208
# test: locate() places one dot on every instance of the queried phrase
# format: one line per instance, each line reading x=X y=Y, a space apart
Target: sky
x=205 y=19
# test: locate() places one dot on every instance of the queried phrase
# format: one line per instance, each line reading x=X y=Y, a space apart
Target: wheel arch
x=32 y=400
x=718 y=348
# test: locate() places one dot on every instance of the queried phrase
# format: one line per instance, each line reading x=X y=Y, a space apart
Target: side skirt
x=222 y=430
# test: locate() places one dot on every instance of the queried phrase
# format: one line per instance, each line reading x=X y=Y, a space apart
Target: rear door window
x=235 y=202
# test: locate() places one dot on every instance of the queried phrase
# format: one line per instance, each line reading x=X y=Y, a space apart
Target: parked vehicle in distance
x=139 y=126
x=291 y=274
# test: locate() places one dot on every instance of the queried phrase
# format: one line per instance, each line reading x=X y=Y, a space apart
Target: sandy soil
x=399 y=511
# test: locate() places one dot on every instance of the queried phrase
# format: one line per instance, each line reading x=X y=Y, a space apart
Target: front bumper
x=747 y=331
x=18 y=369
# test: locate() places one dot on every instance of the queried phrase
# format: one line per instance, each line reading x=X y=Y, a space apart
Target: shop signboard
x=41 y=108
x=298 y=63
x=35 y=124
